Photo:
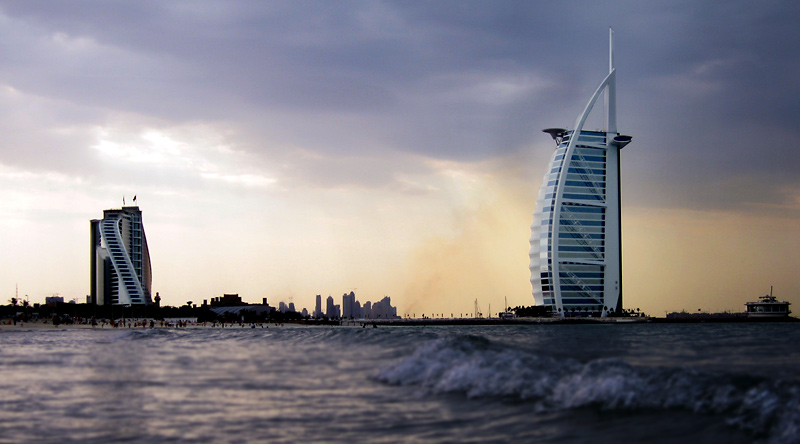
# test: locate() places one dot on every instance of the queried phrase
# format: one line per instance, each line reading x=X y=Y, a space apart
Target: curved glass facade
x=575 y=255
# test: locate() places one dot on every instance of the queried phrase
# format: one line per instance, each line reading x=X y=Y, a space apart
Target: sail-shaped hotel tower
x=576 y=239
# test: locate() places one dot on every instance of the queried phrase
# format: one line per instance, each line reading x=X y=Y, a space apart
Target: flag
x=134 y=198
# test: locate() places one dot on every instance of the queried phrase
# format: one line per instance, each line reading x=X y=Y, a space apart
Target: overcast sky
x=288 y=149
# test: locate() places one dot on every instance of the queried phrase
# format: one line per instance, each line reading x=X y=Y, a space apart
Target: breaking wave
x=475 y=367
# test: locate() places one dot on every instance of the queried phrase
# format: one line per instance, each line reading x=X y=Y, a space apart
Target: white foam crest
x=771 y=409
x=476 y=368
x=472 y=367
x=607 y=382
x=787 y=428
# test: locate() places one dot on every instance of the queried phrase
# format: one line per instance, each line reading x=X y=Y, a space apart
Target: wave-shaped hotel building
x=120 y=260
x=576 y=237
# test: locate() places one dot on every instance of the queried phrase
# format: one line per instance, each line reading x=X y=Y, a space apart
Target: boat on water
x=767 y=306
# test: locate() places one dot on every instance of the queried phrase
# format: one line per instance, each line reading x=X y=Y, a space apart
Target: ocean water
x=665 y=383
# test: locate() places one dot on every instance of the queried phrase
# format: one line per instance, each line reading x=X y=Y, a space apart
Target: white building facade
x=120 y=260
x=576 y=237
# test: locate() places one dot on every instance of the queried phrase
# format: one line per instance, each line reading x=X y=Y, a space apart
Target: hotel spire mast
x=611 y=90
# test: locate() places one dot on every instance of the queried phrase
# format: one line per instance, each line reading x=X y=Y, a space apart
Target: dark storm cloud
x=711 y=96
x=202 y=59
x=703 y=86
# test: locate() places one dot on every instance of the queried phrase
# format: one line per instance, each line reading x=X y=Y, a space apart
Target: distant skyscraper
x=383 y=309
x=318 y=308
x=330 y=309
x=120 y=261
x=348 y=305
x=367 y=310
x=576 y=237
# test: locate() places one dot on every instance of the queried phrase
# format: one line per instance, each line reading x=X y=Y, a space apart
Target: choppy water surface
x=723 y=383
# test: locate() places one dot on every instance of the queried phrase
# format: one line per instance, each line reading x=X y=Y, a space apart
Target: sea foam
x=475 y=367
